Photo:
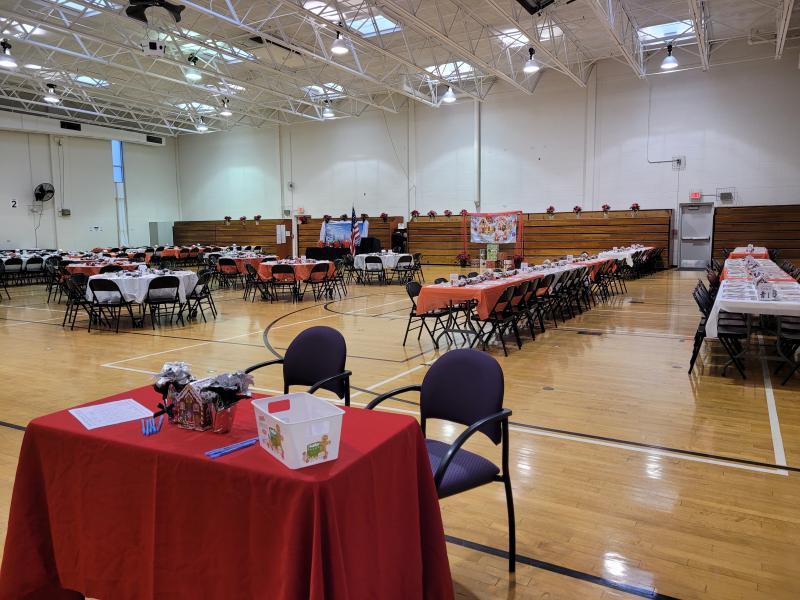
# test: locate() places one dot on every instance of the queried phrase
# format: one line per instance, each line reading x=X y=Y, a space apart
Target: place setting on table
x=389 y=259
x=301 y=266
x=134 y=284
x=200 y=487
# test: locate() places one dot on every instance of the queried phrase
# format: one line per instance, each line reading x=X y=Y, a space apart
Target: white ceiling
x=272 y=58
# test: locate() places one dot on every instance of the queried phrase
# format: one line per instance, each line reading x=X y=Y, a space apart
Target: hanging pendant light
x=327 y=113
x=225 y=112
x=6 y=60
x=531 y=66
x=201 y=126
x=449 y=97
x=669 y=62
x=51 y=97
x=339 y=47
x=192 y=74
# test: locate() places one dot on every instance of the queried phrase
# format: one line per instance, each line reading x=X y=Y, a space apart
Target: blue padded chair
x=316 y=358
x=465 y=386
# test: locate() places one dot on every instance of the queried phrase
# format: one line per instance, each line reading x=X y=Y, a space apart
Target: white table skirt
x=44 y=257
x=626 y=255
x=134 y=289
x=389 y=260
x=749 y=307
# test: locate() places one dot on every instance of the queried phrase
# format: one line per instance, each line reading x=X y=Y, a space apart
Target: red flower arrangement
x=243 y=219
x=462 y=257
x=414 y=214
x=304 y=219
x=327 y=218
x=431 y=214
x=635 y=207
x=320 y=244
x=257 y=218
x=551 y=210
x=364 y=216
x=577 y=209
x=448 y=213
x=336 y=244
x=464 y=212
x=384 y=217
x=346 y=243
x=227 y=218
x=606 y=207
x=343 y=217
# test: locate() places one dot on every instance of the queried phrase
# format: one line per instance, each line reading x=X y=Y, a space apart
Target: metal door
x=696 y=227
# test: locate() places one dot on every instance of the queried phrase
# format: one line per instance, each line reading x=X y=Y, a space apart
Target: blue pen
x=216 y=453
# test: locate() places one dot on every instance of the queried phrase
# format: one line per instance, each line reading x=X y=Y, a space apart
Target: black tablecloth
x=326 y=253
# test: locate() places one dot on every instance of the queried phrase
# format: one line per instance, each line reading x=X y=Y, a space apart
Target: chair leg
x=512 y=525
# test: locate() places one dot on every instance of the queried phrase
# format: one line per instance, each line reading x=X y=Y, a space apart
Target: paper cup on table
x=299 y=429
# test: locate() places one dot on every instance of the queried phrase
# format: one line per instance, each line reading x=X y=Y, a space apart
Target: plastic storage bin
x=299 y=429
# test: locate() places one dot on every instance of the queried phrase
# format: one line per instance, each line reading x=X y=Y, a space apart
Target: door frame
x=680 y=227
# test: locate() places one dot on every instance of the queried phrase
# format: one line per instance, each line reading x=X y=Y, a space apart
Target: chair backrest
x=315 y=354
x=440 y=280
x=319 y=272
x=14 y=265
x=251 y=271
x=203 y=283
x=283 y=272
x=463 y=386
x=34 y=263
x=110 y=269
x=227 y=265
x=101 y=284
x=404 y=261
x=163 y=282
x=373 y=263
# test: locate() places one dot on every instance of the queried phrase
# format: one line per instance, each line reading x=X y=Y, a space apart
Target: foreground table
x=116 y=515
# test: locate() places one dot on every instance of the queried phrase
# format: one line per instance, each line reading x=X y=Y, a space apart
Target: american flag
x=355 y=233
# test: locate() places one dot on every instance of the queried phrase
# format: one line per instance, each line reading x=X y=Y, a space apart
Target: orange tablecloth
x=301 y=270
x=90 y=270
x=758 y=252
x=255 y=261
x=170 y=252
x=436 y=296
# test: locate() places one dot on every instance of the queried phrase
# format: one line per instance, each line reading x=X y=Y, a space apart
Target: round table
x=134 y=288
x=94 y=269
x=301 y=270
x=389 y=259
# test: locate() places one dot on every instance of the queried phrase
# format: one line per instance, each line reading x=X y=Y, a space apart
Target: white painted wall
x=232 y=173
x=151 y=185
x=86 y=188
x=25 y=163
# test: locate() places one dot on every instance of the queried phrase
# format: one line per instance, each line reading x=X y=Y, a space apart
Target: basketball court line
x=772 y=410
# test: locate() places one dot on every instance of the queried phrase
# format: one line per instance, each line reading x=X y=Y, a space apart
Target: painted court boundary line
x=772 y=410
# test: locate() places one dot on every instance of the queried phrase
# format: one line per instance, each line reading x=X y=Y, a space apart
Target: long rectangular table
x=746 y=301
x=109 y=513
x=743 y=251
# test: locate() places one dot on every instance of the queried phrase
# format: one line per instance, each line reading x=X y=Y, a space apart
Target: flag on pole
x=355 y=233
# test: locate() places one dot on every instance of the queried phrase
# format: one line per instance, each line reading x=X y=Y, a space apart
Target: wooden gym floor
x=631 y=478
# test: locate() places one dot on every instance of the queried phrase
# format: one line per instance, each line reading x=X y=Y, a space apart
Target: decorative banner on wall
x=339 y=231
x=494 y=228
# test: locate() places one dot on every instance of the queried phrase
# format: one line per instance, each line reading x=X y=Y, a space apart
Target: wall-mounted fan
x=44 y=192
x=137 y=9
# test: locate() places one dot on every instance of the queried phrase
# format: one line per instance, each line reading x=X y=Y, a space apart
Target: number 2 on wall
x=13 y=204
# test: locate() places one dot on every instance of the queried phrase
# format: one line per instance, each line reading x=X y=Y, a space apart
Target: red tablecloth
x=301 y=270
x=433 y=297
x=741 y=252
x=116 y=515
x=90 y=270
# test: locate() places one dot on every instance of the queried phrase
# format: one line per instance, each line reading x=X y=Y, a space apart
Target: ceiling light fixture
x=51 y=97
x=449 y=97
x=225 y=112
x=531 y=66
x=201 y=126
x=327 y=113
x=193 y=74
x=6 y=60
x=33 y=67
x=669 y=62
x=339 y=47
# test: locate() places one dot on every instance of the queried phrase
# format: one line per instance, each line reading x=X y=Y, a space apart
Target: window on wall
x=118 y=170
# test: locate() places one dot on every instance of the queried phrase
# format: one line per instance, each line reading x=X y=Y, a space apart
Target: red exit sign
x=696 y=195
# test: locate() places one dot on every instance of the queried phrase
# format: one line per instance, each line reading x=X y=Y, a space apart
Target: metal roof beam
x=614 y=17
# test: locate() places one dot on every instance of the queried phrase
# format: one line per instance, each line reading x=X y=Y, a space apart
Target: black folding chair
x=108 y=307
x=163 y=299
x=201 y=297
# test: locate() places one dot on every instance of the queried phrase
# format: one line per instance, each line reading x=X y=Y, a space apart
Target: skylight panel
x=230 y=54
x=80 y=8
x=513 y=38
x=195 y=107
x=369 y=27
x=548 y=32
x=452 y=70
x=675 y=31
x=322 y=9
x=93 y=81
x=326 y=90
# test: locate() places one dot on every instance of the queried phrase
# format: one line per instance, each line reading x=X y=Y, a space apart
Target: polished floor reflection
x=631 y=478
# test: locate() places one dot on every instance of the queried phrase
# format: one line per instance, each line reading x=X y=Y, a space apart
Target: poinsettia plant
x=364 y=216
x=464 y=212
x=414 y=214
x=346 y=243
x=304 y=219
x=551 y=210
x=635 y=207
x=448 y=213
x=327 y=218
x=462 y=257
x=257 y=218
x=227 y=218
x=431 y=214
x=577 y=209
x=384 y=217
x=320 y=244
x=343 y=217
x=606 y=207
x=336 y=244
